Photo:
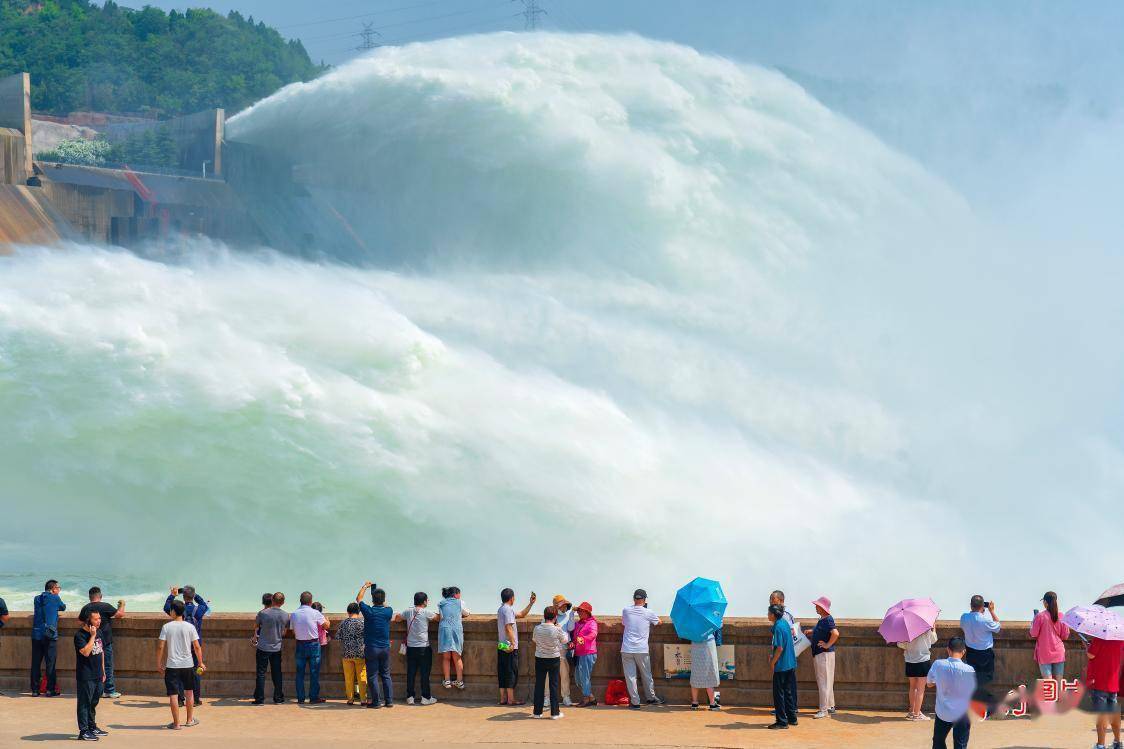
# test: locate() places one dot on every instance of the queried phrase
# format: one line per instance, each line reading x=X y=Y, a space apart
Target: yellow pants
x=355 y=670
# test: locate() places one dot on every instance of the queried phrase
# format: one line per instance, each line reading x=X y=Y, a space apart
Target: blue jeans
x=308 y=656
x=584 y=673
x=1052 y=670
x=1104 y=703
x=109 y=687
x=379 y=687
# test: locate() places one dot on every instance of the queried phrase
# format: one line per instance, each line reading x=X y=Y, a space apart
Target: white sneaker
x=821 y=714
x=911 y=716
x=922 y=716
x=429 y=701
x=409 y=700
x=536 y=717
x=556 y=717
x=566 y=702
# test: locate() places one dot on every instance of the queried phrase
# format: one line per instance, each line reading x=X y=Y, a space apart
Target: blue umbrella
x=698 y=609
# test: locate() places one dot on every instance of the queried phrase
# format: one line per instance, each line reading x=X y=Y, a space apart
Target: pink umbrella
x=1095 y=621
x=908 y=619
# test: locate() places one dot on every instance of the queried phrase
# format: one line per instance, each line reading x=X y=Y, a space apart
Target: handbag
x=800 y=641
x=402 y=647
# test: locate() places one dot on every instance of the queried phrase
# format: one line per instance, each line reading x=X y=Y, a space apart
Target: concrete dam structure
x=214 y=191
x=869 y=673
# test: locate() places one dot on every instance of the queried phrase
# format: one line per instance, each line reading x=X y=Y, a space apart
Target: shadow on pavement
x=741 y=725
x=143 y=704
x=507 y=717
x=48 y=737
x=864 y=720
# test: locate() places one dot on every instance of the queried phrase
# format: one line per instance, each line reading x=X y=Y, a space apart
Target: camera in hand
x=180 y=591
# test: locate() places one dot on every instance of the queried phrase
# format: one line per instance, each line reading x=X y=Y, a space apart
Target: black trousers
x=547 y=668
x=44 y=650
x=271 y=661
x=507 y=668
x=784 y=696
x=198 y=686
x=984 y=663
x=960 y=730
x=89 y=694
x=419 y=662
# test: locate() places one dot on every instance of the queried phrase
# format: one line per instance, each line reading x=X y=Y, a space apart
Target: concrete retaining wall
x=198 y=137
x=869 y=673
x=15 y=113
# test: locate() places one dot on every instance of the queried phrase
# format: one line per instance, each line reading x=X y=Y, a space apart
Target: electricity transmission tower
x=368 y=33
x=531 y=13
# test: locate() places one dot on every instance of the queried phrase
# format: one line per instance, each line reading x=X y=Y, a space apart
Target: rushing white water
x=630 y=314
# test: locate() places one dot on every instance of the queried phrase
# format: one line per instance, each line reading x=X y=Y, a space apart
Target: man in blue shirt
x=980 y=625
x=955 y=681
x=783 y=664
x=45 y=637
x=194 y=609
x=376 y=644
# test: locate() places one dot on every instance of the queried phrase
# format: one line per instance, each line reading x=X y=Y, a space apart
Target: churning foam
x=631 y=314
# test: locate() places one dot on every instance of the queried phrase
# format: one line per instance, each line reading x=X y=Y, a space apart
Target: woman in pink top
x=585 y=651
x=1049 y=631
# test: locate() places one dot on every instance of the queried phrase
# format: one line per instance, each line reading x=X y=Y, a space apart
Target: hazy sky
x=821 y=36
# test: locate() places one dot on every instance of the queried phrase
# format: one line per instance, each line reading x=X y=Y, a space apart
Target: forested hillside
x=84 y=56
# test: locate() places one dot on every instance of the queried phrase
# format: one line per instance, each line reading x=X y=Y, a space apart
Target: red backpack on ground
x=616 y=693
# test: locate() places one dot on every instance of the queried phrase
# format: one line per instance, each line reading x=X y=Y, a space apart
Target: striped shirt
x=550 y=640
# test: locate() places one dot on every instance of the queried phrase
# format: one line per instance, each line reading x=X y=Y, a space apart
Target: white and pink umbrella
x=908 y=619
x=1114 y=596
x=1095 y=621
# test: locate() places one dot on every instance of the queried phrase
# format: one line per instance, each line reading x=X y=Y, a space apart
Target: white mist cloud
x=632 y=309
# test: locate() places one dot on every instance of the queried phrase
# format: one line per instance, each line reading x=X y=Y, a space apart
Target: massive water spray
x=627 y=314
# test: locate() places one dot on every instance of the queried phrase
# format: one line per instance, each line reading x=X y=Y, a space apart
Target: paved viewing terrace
x=139 y=722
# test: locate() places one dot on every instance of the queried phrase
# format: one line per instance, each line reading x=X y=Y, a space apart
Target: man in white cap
x=823 y=638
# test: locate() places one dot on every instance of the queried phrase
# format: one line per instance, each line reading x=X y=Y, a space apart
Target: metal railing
x=140 y=168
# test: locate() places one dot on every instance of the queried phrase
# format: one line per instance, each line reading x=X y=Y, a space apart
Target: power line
x=448 y=30
x=531 y=13
x=438 y=33
x=361 y=15
x=410 y=21
x=368 y=34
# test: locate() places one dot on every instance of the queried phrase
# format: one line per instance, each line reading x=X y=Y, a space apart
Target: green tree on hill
x=84 y=56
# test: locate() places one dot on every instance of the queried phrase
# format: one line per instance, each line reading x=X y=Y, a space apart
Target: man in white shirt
x=638 y=621
x=178 y=641
x=550 y=647
x=305 y=623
